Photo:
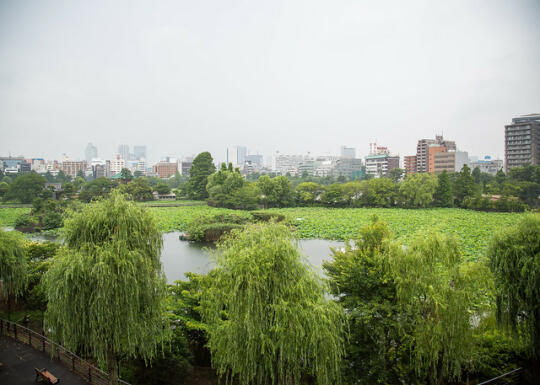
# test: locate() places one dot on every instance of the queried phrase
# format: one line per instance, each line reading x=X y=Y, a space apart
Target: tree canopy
x=268 y=317
x=13 y=264
x=201 y=168
x=26 y=187
x=105 y=287
x=514 y=259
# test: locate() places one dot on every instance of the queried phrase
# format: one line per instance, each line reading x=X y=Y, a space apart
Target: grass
x=8 y=215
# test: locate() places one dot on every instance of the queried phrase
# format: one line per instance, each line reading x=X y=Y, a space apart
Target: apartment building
x=164 y=169
x=72 y=168
x=522 y=141
x=422 y=151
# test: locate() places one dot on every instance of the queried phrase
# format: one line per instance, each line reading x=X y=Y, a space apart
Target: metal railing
x=89 y=372
x=512 y=377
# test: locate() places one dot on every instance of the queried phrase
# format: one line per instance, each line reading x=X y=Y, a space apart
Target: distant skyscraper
x=123 y=151
x=422 y=151
x=139 y=152
x=237 y=155
x=348 y=152
x=90 y=152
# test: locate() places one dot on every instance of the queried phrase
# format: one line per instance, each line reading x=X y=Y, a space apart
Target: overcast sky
x=295 y=76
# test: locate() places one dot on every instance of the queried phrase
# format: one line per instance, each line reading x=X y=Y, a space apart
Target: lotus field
x=472 y=228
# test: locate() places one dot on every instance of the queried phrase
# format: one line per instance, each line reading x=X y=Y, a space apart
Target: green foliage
x=201 y=169
x=25 y=187
x=126 y=175
x=417 y=190
x=211 y=228
x=4 y=188
x=307 y=193
x=13 y=264
x=39 y=259
x=24 y=220
x=464 y=185
x=396 y=174
x=439 y=295
x=99 y=187
x=8 y=216
x=269 y=320
x=332 y=195
x=275 y=192
x=139 y=189
x=105 y=287
x=162 y=188
x=513 y=255
x=378 y=192
x=362 y=282
x=228 y=188
x=443 y=194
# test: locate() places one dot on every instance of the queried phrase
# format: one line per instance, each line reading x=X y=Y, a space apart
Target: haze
x=295 y=76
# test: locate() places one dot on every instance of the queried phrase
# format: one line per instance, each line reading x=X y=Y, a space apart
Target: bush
x=24 y=220
x=262 y=216
x=211 y=227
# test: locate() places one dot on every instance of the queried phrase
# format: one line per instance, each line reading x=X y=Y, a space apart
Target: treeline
x=472 y=190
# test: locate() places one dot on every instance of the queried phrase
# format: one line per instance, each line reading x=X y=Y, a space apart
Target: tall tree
x=396 y=174
x=202 y=167
x=26 y=187
x=514 y=259
x=464 y=185
x=269 y=320
x=13 y=266
x=106 y=288
x=443 y=194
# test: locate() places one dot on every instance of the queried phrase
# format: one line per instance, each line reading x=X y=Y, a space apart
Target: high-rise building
x=381 y=164
x=409 y=164
x=123 y=151
x=237 y=155
x=139 y=152
x=347 y=152
x=289 y=163
x=434 y=149
x=422 y=151
x=116 y=165
x=90 y=152
x=522 y=141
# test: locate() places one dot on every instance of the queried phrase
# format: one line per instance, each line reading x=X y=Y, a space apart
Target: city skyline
x=185 y=77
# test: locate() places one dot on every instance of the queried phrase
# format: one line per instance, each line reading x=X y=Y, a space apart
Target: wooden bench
x=45 y=375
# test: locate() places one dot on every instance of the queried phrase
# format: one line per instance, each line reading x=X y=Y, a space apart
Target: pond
x=179 y=257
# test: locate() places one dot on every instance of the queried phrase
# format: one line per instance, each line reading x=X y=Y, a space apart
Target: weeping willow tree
x=106 y=288
x=270 y=322
x=515 y=261
x=13 y=266
x=441 y=298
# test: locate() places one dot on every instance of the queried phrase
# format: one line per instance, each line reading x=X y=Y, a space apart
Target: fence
x=73 y=362
x=513 y=377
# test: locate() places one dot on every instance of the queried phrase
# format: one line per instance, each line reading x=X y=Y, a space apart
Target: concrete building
x=116 y=165
x=72 y=168
x=289 y=163
x=522 y=141
x=90 y=152
x=409 y=164
x=11 y=162
x=434 y=149
x=256 y=160
x=380 y=165
x=164 y=169
x=347 y=152
x=443 y=161
x=422 y=151
x=462 y=158
x=488 y=165
x=237 y=156
x=184 y=167
x=347 y=167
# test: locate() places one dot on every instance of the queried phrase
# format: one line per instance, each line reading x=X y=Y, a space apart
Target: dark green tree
x=464 y=185
x=162 y=188
x=125 y=175
x=97 y=188
x=443 y=194
x=396 y=174
x=202 y=167
x=139 y=189
x=4 y=188
x=514 y=260
x=106 y=288
x=26 y=187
